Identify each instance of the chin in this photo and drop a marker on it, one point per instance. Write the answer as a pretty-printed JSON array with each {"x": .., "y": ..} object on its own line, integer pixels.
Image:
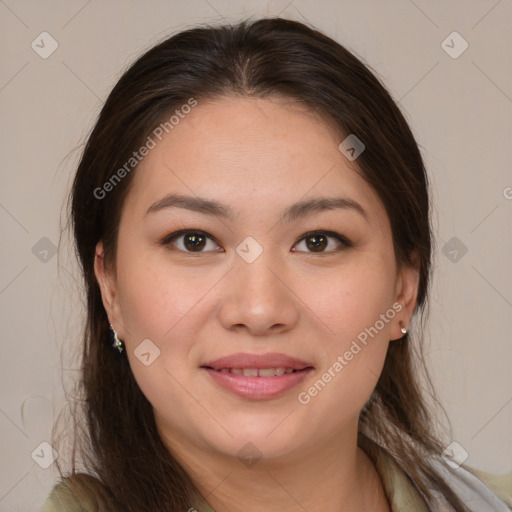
[{"x": 252, "y": 438}]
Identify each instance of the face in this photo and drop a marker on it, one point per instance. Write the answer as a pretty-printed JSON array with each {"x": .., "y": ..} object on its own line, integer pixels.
[{"x": 254, "y": 318}]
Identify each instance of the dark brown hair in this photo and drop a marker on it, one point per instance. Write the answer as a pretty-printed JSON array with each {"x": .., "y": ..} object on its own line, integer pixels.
[{"x": 121, "y": 445}]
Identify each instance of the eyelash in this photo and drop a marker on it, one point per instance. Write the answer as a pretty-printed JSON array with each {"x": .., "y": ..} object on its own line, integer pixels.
[{"x": 344, "y": 241}]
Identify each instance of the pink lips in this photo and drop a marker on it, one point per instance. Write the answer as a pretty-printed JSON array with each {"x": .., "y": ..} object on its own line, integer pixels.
[
  {"x": 257, "y": 387},
  {"x": 243, "y": 360}
]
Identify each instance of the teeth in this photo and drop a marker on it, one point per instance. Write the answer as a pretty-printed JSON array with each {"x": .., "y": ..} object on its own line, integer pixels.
[
  {"x": 258, "y": 372},
  {"x": 268, "y": 372}
]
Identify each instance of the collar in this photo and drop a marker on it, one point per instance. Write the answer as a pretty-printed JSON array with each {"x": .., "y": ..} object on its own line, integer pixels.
[{"x": 401, "y": 492}]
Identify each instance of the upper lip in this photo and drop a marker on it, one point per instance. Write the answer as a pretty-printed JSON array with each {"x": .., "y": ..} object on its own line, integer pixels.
[{"x": 244, "y": 360}]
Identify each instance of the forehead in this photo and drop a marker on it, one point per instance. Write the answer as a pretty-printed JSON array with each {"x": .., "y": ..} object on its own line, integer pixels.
[{"x": 247, "y": 151}]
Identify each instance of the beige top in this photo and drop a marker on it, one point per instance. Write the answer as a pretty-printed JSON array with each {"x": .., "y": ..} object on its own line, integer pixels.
[{"x": 494, "y": 496}]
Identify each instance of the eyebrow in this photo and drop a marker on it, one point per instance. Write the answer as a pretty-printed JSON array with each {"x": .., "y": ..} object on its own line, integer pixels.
[{"x": 295, "y": 211}]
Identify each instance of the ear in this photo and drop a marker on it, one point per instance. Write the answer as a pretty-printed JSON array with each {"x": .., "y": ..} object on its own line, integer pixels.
[
  {"x": 108, "y": 288},
  {"x": 406, "y": 293}
]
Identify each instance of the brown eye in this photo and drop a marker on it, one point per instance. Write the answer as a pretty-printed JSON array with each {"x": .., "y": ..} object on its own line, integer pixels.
[
  {"x": 190, "y": 241},
  {"x": 194, "y": 242},
  {"x": 318, "y": 241}
]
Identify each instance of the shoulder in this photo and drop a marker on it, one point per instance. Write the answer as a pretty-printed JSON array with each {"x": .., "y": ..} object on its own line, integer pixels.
[
  {"x": 479, "y": 488},
  {"x": 481, "y": 491},
  {"x": 78, "y": 493},
  {"x": 500, "y": 484}
]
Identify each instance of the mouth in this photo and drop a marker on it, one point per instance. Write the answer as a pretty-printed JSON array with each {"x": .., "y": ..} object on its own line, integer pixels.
[
  {"x": 258, "y": 372},
  {"x": 257, "y": 377}
]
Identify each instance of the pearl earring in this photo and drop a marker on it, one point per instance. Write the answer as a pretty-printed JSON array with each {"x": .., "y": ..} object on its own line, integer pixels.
[{"x": 402, "y": 327}]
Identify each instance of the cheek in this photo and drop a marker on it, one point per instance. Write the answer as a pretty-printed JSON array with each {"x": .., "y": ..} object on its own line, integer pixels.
[
  {"x": 352, "y": 297},
  {"x": 356, "y": 306},
  {"x": 164, "y": 304},
  {"x": 159, "y": 310},
  {"x": 155, "y": 297}
]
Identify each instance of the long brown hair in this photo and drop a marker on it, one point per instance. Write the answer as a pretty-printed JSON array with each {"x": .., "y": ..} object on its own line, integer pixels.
[{"x": 121, "y": 445}]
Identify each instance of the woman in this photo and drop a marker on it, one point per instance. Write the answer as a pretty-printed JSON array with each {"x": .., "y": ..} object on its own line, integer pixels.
[{"x": 251, "y": 214}]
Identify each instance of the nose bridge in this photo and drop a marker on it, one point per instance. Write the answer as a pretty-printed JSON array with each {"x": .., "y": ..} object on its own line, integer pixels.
[
  {"x": 258, "y": 271},
  {"x": 258, "y": 297}
]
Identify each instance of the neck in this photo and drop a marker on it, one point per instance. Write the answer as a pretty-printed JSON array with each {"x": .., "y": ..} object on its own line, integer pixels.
[{"x": 334, "y": 476}]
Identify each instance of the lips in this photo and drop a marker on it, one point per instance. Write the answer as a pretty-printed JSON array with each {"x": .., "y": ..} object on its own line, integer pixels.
[
  {"x": 257, "y": 376},
  {"x": 245, "y": 361}
]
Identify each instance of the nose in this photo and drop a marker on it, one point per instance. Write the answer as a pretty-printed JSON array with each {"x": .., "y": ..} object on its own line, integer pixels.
[{"x": 258, "y": 298}]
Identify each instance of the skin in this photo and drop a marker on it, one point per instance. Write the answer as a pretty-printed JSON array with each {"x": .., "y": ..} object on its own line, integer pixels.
[{"x": 258, "y": 156}]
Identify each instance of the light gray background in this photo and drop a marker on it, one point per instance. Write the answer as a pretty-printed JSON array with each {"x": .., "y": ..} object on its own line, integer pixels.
[{"x": 459, "y": 108}]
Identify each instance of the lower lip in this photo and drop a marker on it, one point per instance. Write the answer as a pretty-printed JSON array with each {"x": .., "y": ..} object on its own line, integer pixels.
[{"x": 258, "y": 388}]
